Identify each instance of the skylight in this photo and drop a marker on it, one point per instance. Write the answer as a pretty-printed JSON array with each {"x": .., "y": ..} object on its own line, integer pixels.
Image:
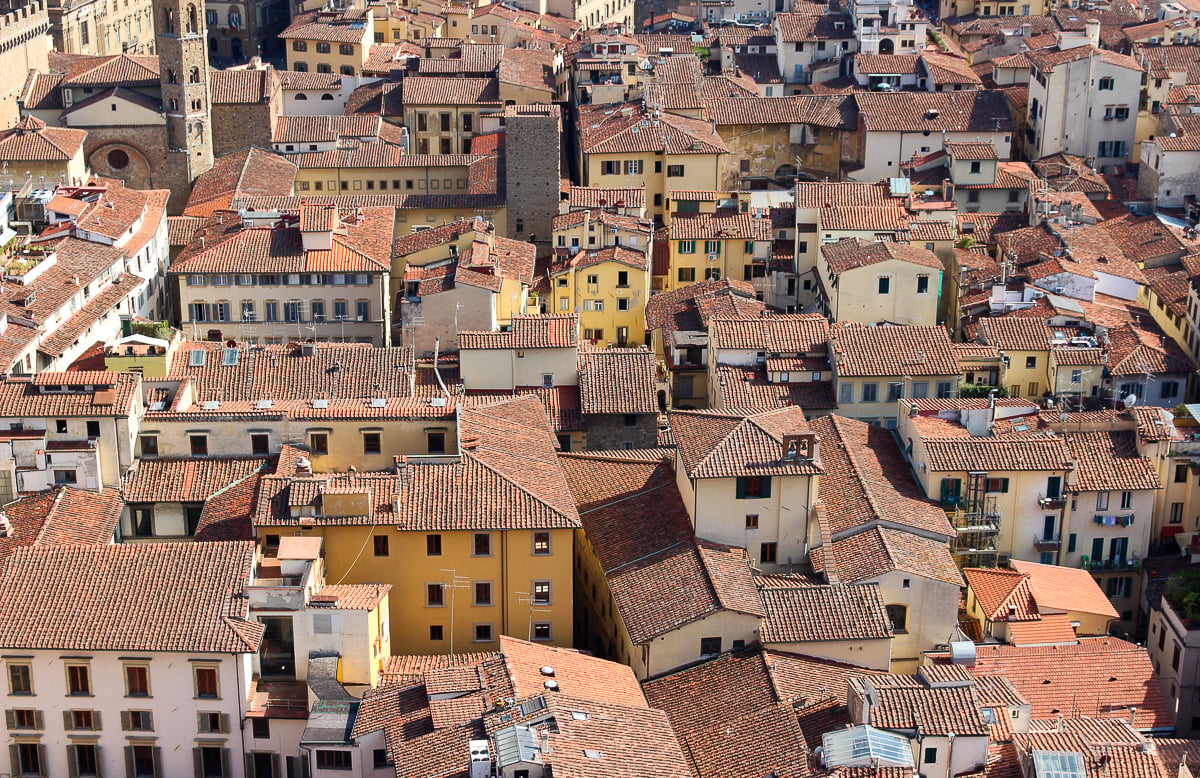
[
  {"x": 859, "y": 746},
  {"x": 196, "y": 357},
  {"x": 229, "y": 357},
  {"x": 1058, "y": 764}
]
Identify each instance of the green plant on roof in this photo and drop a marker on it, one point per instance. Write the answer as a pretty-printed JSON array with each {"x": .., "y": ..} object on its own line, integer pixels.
[{"x": 1183, "y": 592}]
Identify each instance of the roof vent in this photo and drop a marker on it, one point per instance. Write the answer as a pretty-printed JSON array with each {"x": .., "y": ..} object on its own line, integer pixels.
[
  {"x": 931, "y": 113},
  {"x": 548, "y": 671},
  {"x": 551, "y": 685}
]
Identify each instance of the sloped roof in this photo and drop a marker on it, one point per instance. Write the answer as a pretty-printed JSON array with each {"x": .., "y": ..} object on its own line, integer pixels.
[
  {"x": 184, "y": 597},
  {"x": 892, "y": 351},
  {"x": 1065, "y": 588},
  {"x": 715, "y": 444},
  {"x": 819, "y": 613},
  {"x": 32, "y": 141},
  {"x": 618, "y": 381}
]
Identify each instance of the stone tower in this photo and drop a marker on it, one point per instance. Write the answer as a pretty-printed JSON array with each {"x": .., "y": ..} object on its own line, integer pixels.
[
  {"x": 533, "y": 172},
  {"x": 182, "y": 41}
]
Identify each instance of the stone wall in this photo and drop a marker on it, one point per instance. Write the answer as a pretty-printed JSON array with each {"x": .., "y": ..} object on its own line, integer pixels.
[{"x": 606, "y": 432}]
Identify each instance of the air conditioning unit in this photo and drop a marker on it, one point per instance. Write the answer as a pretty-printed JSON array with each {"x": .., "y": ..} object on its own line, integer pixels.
[
  {"x": 713, "y": 257},
  {"x": 1156, "y": 40}
]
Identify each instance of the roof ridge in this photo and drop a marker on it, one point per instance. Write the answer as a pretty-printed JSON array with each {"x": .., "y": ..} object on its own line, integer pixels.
[
  {"x": 504, "y": 477},
  {"x": 49, "y": 515}
]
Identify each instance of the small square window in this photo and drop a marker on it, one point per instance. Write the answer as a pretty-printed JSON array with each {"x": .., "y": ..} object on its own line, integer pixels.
[
  {"x": 483, "y": 633},
  {"x": 433, "y": 545},
  {"x": 436, "y": 632},
  {"x": 381, "y": 545},
  {"x": 751, "y": 521},
  {"x": 541, "y": 543},
  {"x": 483, "y": 544}
]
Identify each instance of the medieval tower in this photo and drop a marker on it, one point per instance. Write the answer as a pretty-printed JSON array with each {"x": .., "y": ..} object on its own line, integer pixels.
[{"x": 181, "y": 42}]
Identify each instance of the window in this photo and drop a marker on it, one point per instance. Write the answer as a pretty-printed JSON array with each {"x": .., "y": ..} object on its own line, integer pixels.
[
  {"x": 687, "y": 275},
  {"x": 898, "y": 615},
  {"x": 751, "y": 521},
  {"x": 930, "y": 755},
  {"x": 633, "y": 167},
  {"x": 922, "y": 284},
  {"x": 65, "y": 477},
  {"x": 346, "y": 49},
  {"x": 79, "y": 680},
  {"x": 767, "y": 553},
  {"x": 436, "y": 632},
  {"x": 20, "y": 680},
  {"x": 29, "y": 758},
  {"x": 25, "y": 718},
  {"x": 322, "y": 48},
  {"x": 483, "y": 544},
  {"x": 84, "y": 720},
  {"x": 687, "y": 247},
  {"x": 260, "y": 444},
  {"x": 710, "y": 646},
  {"x": 944, "y": 389},
  {"x": 885, "y": 284},
  {"x": 1176, "y": 513},
  {"x": 334, "y": 760},
  {"x": 143, "y": 761},
  {"x": 997, "y": 485},
  {"x": 1126, "y": 500},
  {"x": 1170, "y": 390},
  {"x": 371, "y": 443},
  {"x": 1102, "y": 501},
  {"x": 541, "y": 592},
  {"x": 381, "y": 545},
  {"x": 83, "y": 759},
  {"x": 674, "y": 171},
  {"x": 206, "y": 683},
  {"x": 483, "y": 593},
  {"x": 60, "y": 426},
  {"x": 712, "y": 247},
  {"x": 542, "y": 630},
  {"x": 1030, "y": 363},
  {"x": 845, "y": 394},
  {"x": 483, "y": 633},
  {"x": 976, "y": 167},
  {"x": 870, "y": 393},
  {"x": 435, "y": 595},
  {"x": 149, "y": 445},
  {"x": 753, "y": 487},
  {"x": 1111, "y": 148},
  {"x": 137, "y": 681},
  {"x": 1076, "y": 376},
  {"x": 541, "y": 543},
  {"x": 895, "y": 391},
  {"x": 433, "y": 545},
  {"x": 318, "y": 443},
  {"x": 199, "y": 445},
  {"x": 610, "y": 168},
  {"x": 1106, "y": 84}
]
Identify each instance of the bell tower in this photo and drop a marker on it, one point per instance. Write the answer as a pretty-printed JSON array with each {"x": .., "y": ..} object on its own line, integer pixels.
[{"x": 181, "y": 41}]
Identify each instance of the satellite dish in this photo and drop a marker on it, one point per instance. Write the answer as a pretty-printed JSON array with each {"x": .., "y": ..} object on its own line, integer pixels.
[{"x": 1130, "y": 400}]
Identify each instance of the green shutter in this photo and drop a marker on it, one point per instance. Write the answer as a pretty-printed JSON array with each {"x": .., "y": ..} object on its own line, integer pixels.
[
  {"x": 766, "y": 486},
  {"x": 39, "y": 720},
  {"x": 68, "y": 720},
  {"x": 250, "y": 766},
  {"x": 10, "y": 718},
  {"x": 158, "y": 773},
  {"x": 1097, "y": 549},
  {"x": 96, "y": 721},
  {"x": 741, "y": 488},
  {"x": 1004, "y": 485},
  {"x": 1071, "y": 543},
  {"x": 43, "y": 759},
  {"x": 225, "y": 723},
  {"x": 72, "y": 762}
]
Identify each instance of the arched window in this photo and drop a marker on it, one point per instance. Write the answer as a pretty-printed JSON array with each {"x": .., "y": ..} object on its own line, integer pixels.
[
  {"x": 192, "y": 22},
  {"x": 174, "y": 104},
  {"x": 169, "y": 22},
  {"x": 327, "y": 96},
  {"x": 898, "y": 615},
  {"x": 171, "y": 77},
  {"x": 194, "y": 76},
  {"x": 301, "y": 96}
]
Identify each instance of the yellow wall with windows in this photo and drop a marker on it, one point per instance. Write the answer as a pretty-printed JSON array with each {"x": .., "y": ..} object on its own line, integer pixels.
[
  {"x": 430, "y": 125},
  {"x": 657, "y": 172},
  {"x": 384, "y": 180},
  {"x": 690, "y": 263},
  {"x": 511, "y": 570},
  {"x": 598, "y": 286},
  {"x": 310, "y": 56}
]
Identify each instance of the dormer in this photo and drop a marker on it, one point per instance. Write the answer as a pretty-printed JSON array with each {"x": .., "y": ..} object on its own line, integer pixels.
[{"x": 317, "y": 225}]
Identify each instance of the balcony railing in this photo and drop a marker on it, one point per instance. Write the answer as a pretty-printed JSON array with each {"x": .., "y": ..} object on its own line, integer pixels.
[
  {"x": 1113, "y": 563},
  {"x": 1053, "y": 502},
  {"x": 1042, "y": 543}
]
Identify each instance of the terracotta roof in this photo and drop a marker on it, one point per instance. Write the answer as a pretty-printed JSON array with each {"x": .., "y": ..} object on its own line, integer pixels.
[
  {"x": 610, "y": 129},
  {"x": 144, "y": 597},
  {"x": 32, "y": 141},
  {"x": 605, "y": 197},
  {"x": 1106, "y": 748},
  {"x": 318, "y": 26},
  {"x": 965, "y": 453},
  {"x": 361, "y": 597},
  {"x": 1065, "y": 588},
  {"x": 1103, "y": 678},
  {"x": 296, "y": 81},
  {"x": 867, "y": 482},
  {"x": 21, "y": 398},
  {"x": 802, "y": 27},
  {"x": 949, "y": 69},
  {"x": 887, "y": 64},
  {"x": 433, "y": 90},
  {"x": 532, "y": 331},
  {"x": 1108, "y": 461},
  {"x": 892, "y": 351},
  {"x": 820, "y": 110},
  {"x": 242, "y": 87},
  {"x": 185, "y": 480},
  {"x": 965, "y": 111},
  {"x": 715, "y": 444},
  {"x": 579, "y": 675},
  {"x": 250, "y": 172},
  {"x": 360, "y": 245},
  {"x": 852, "y": 253},
  {"x": 1018, "y": 334},
  {"x": 730, "y": 720},
  {"x": 881, "y": 550},
  {"x": 749, "y": 390},
  {"x": 63, "y": 516},
  {"x": 618, "y": 381},
  {"x": 691, "y": 580},
  {"x": 807, "y": 614},
  {"x": 1002, "y": 594},
  {"x": 1054, "y": 629},
  {"x": 689, "y": 308},
  {"x": 906, "y": 704},
  {"x": 120, "y": 70},
  {"x": 325, "y": 129},
  {"x": 802, "y": 333}
]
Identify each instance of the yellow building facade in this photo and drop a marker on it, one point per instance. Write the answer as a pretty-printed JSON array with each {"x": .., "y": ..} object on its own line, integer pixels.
[
  {"x": 726, "y": 244},
  {"x": 608, "y": 289}
]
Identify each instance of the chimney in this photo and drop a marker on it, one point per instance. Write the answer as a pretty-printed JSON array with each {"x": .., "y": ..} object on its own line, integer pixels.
[
  {"x": 1093, "y": 31},
  {"x": 1133, "y": 717},
  {"x": 303, "y": 466}
]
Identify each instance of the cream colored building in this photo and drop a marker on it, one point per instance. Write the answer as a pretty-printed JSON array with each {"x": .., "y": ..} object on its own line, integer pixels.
[
  {"x": 329, "y": 42},
  {"x": 874, "y": 367},
  {"x": 315, "y": 276},
  {"x": 99, "y": 27},
  {"x": 879, "y": 283}
]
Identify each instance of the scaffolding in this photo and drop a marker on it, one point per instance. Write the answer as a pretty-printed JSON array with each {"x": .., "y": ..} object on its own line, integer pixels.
[{"x": 976, "y": 522}]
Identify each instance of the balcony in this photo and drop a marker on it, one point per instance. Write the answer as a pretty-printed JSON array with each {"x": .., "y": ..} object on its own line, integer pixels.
[
  {"x": 1054, "y": 502},
  {"x": 1042, "y": 543},
  {"x": 1113, "y": 563},
  {"x": 1121, "y": 519}
]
